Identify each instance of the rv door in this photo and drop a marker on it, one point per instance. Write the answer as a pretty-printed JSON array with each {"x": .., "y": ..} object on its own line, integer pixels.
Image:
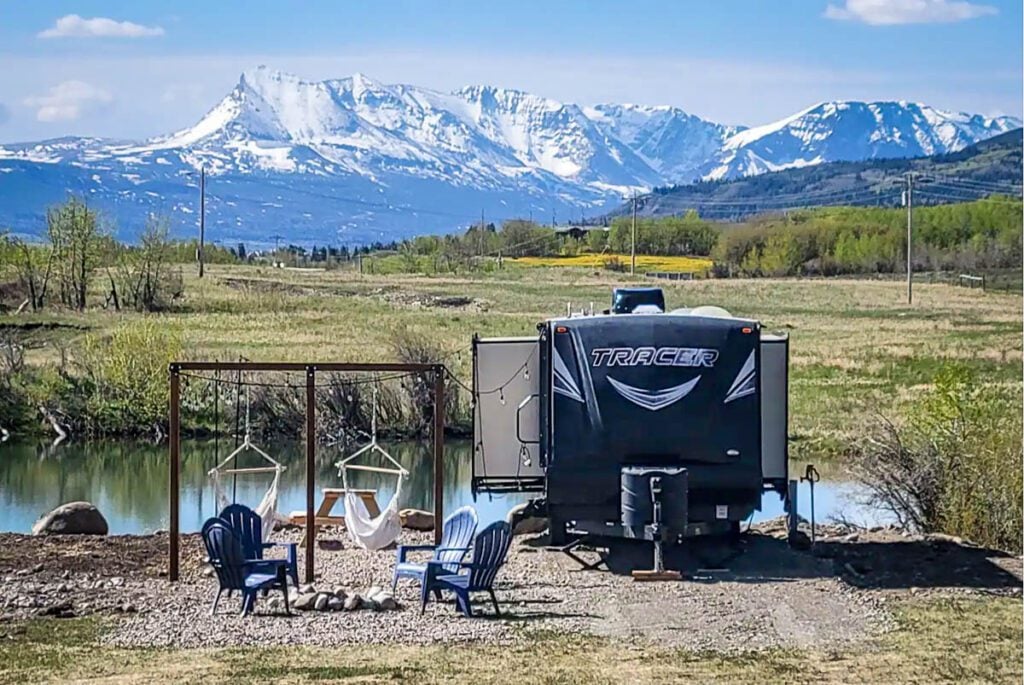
[{"x": 506, "y": 420}]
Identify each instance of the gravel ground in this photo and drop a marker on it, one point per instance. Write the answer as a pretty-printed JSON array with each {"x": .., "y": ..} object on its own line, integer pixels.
[{"x": 766, "y": 595}]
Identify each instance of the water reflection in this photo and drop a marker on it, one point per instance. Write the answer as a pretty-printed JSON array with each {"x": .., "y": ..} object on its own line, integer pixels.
[{"x": 128, "y": 482}]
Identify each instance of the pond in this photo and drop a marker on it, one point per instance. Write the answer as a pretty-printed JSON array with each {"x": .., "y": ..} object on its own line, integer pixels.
[{"x": 128, "y": 482}]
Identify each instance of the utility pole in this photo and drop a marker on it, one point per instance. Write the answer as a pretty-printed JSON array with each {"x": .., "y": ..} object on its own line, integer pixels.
[
  {"x": 632, "y": 242},
  {"x": 202, "y": 217},
  {"x": 909, "y": 202}
]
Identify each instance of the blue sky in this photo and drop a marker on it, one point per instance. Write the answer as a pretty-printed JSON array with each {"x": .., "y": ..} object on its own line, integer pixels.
[{"x": 131, "y": 69}]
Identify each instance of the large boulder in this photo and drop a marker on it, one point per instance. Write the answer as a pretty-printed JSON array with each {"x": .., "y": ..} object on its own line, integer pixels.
[
  {"x": 73, "y": 518},
  {"x": 416, "y": 519}
]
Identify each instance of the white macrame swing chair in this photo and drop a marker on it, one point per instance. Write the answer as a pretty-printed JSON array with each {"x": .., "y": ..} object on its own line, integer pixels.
[
  {"x": 267, "y": 508},
  {"x": 372, "y": 532}
]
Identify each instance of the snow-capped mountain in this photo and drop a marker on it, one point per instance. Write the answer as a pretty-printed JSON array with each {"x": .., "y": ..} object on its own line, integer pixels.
[
  {"x": 851, "y": 131},
  {"x": 354, "y": 160},
  {"x": 675, "y": 144}
]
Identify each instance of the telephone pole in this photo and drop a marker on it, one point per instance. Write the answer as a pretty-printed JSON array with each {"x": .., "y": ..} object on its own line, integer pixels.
[
  {"x": 632, "y": 245},
  {"x": 202, "y": 217},
  {"x": 909, "y": 202}
]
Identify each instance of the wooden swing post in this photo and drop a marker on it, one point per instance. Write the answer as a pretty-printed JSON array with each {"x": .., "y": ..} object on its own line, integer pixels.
[
  {"x": 310, "y": 468},
  {"x": 438, "y": 451},
  {"x": 174, "y": 439}
]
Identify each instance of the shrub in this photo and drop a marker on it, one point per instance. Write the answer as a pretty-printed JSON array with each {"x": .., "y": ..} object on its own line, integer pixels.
[
  {"x": 954, "y": 465},
  {"x": 126, "y": 374}
]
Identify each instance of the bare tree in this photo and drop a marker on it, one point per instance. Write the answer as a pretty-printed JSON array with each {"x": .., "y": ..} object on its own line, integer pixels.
[{"x": 74, "y": 242}]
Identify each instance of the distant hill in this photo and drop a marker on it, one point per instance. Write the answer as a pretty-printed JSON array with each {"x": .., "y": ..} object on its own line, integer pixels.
[{"x": 989, "y": 167}]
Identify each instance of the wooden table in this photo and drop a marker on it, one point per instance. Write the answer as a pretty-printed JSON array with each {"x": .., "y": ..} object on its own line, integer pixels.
[{"x": 323, "y": 515}]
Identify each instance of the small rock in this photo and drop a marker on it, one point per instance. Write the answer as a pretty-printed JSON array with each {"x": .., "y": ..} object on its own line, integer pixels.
[
  {"x": 59, "y": 610},
  {"x": 293, "y": 595},
  {"x": 373, "y": 592},
  {"x": 371, "y": 604},
  {"x": 127, "y": 608},
  {"x": 330, "y": 545},
  {"x": 275, "y": 603},
  {"x": 37, "y": 568},
  {"x": 208, "y": 571},
  {"x": 306, "y": 588},
  {"x": 305, "y": 601},
  {"x": 321, "y": 602},
  {"x": 73, "y": 518},
  {"x": 335, "y": 603},
  {"x": 353, "y": 603},
  {"x": 340, "y": 593},
  {"x": 386, "y": 602},
  {"x": 416, "y": 519}
]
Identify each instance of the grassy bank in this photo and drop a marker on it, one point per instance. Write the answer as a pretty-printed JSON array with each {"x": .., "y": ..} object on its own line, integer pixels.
[
  {"x": 964, "y": 640},
  {"x": 857, "y": 347}
]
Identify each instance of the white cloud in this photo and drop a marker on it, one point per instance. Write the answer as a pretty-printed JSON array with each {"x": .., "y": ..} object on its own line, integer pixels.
[
  {"x": 74, "y": 26},
  {"x": 891, "y": 12},
  {"x": 67, "y": 101}
]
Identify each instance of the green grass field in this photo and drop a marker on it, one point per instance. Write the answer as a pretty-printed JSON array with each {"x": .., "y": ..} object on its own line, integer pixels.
[{"x": 857, "y": 347}]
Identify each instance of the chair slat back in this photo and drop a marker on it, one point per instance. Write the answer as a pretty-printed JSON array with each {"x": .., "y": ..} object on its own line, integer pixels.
[
  {"x": 249, "y": 526},
  {"x": 224, "y": 548},
  {"x": 489, "y": 550},
  {"x": 457, "y": 531}
]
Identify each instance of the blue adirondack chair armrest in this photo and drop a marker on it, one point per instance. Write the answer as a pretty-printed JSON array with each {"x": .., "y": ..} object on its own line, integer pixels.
[
  {"x": 261, "y": 565},
  {"x": 403, "y": 550}
]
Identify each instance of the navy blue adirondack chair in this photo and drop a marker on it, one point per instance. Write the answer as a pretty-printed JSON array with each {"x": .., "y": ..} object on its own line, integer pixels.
[
  {"x": 249, "y": 526},
  {"x": 457, "y": 533},
  {"x": 235, "y": 572},
  {"x": 489, "y": 550}
]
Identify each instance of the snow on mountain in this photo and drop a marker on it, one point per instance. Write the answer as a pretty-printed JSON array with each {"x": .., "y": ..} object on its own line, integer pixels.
[
  {"x": 676, "y": 144},
  {"x": 849, "y": 131},
  {"x": 353, "y": 159}
]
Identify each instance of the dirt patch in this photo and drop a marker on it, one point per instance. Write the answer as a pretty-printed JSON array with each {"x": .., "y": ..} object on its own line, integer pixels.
[
  {"x": 413, "y": 299},
  {"x": 892, "y": 560},
  {"x": 259, "y": 285},
  {"x": 47, "y": 556},
  {"x": 755, "y": 594}
]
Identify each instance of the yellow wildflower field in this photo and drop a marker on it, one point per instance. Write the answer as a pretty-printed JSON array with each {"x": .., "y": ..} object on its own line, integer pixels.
[{"x": 643, "y": 262}]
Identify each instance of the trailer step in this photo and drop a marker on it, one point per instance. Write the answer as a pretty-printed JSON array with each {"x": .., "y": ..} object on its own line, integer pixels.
[{"x": 657, "y": 575}]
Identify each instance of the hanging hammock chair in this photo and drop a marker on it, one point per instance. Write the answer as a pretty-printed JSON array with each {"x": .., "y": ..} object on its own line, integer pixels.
[
  {"x": 372, "y": 532},
  {"x": 267, "y": 508}
]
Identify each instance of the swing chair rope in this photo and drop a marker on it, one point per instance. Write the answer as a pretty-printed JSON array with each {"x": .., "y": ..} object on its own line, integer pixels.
[
  {"x": 345, "y": 464},
  {"x": 247, "y": 444},
  {"x": 372, "y": 532}
]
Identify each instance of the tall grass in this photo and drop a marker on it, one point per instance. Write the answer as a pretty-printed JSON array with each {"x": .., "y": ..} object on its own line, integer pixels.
[{"x": 954, "y": 464}]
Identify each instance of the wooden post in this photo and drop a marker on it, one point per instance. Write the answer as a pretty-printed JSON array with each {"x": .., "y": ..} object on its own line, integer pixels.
[
  {"x": 174, "y": 441},
  {"x": 438, "y": 451},
  {"x": 310, "y": 468}
]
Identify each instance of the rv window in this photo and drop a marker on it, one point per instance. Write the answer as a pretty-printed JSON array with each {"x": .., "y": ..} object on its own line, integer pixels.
[{"x": 626, "y": 300}]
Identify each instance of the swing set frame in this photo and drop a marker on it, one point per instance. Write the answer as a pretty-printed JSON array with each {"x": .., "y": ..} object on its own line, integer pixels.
[{"x": 174, "y": 439}]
